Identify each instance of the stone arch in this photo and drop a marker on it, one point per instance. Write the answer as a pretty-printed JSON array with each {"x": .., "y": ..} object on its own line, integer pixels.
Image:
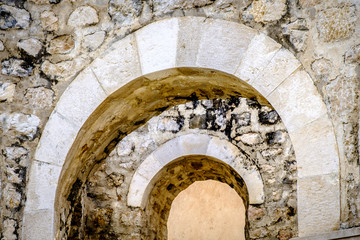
[
  {"x": 187, "y": 145},
  {"x": 166, "y": 63},
  {"x": 175, "y": 177}
]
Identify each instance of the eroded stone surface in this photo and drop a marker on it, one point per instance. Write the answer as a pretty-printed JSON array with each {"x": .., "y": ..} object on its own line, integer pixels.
[
  {"x": 267, "y": 11},
  {"x": 83, "y": 16},
  {"x": 16, "y": 67},
  {"x": 31, "y": 46},
  {"x": 7, "y": 91},
  {"x": 49, "y": 21},
  {"x": 12, "y": 17},
  {"x": 92, "y": 41},
  {"x": 336, "y": 23},
  {"x": 63, "y": 44}
]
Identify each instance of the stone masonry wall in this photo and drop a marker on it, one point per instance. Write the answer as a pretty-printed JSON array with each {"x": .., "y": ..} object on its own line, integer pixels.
[
  {"x": 102, "y": 211},
  {"x": 45, "y": 43}
]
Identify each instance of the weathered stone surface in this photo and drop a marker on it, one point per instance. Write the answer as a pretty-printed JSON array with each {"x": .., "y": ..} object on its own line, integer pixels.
[
  {"x": 7, "y": 91},
  {"x": 163, "y": 7},
  {"x": 63, "y": 44},
  {"x": 267, "y": 11},
  {"x": 39, "y": 97},
  {"x": 14, "y": 3},
  {"x": 40, "y": 2},
  {"x": 124, "y": 12},
  {"x": 12, "y": 197},
  {"x": 255, "y": 213},
  {"x": 31, "y": 46},
  {"x": 251, "y": 138},
  {"x": 322, "y": 67},
  {"x": 92, "y": 41},
  {"x": 336, "y": 23},
  {"x": 298, "y": 33},
  {"x": 353, "y": 54},
  {"x": 18, "y": 155},
  {"x": 26, "y": 125},
  {"x": 16, "y": 67},
  {"x": 1, "y": 46},
  {"x": 49, "y": 21},
  {"x": 11, "y": 17},
  {"x": 83, "y": 16},
  {"x": 9, "y": 229},
  {"x": 268, "y": 117},
  {"x": 62, "y": 70}
]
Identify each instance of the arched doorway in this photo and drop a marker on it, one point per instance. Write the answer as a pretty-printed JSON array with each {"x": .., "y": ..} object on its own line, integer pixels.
[
  {"x": 145, "y": 73},
  {"x": 207, "y": 210}
]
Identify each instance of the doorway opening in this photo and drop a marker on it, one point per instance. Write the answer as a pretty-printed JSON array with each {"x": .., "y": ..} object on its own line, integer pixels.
[{"x": 207, "y": 210}]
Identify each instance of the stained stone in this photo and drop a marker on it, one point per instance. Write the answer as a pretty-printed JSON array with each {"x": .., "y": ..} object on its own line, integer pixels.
[
  {"x": 7, "y": 91},
  {"x": 16, "y": 67},
  {"x": 11, "y": 17},
  {"x": 31, "y": 46}
]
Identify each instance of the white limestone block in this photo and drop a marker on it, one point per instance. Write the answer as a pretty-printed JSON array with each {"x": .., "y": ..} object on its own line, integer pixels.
[
  {"x": 193, "y": 144},
  {"x": 56, "y": 140},
  {"x": 297, "y": 101},
  {"x": 315, "y": 148},
  {"x": 36, "y": 225},
  {"x": 137, "y": 191},
  {"x": 157, "y": 45},
  {"x": 258, "y": 55},
  {"x": 149, "y": 167},
  {"x": 223, "y": 45},
  {"x": 280, "y": 67},
  {"x": 190, "y": 31},
  {"x": 222, "y": 150},
  {"x": 42, "y": 188},
  {"x": 318, "y": 204},
  {"x": 84, "y": 89},
  {"x": 168, "y": 151},
  {"x": 119, "y": 66}
]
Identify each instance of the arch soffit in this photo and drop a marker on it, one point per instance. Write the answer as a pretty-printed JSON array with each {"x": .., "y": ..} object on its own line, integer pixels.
[
  {"x": 201, "y": 43},
  {"x": 193, "y": 144}
]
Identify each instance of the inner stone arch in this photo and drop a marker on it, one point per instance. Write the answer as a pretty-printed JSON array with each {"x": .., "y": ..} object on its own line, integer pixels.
[{"x": 176, "y": 177}]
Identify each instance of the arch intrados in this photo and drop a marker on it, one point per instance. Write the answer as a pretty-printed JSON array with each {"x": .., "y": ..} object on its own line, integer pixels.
[
  {"x": 195, "y": 42},
  {"x": 131, "y": 106}
]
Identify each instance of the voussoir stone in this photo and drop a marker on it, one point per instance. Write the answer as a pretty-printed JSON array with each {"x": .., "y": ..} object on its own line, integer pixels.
[
  {"x": 12, "y": 17},
  {"x": 83, "y": 16}
]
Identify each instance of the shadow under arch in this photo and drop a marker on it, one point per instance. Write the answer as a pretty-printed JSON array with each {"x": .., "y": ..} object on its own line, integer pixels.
[
  {"x": 131, "y": 106},
  {"x": 176, "y": 177}
]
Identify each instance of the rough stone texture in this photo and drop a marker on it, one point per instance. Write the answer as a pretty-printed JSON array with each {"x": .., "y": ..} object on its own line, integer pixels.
[
  {"x": 7, "y": 91},
  {"x": 125, "y": 12},
  {"x": 83, "y": 16},
  {"x": 336, "y": 23},
  {"x": 267, "y": 11},
  {"x": 16, "y": 67},
  {"x": 110, "y": 182},
  {"x": 323, "y": 35},
  {"x": 39, "y": 97},
  {"x": 11, "y": 17},
  {"x": 49, "y": 21},
  {"x": 31, "y": 46},
  {"x": 63, "y": 44},
  {"x": 92, "y": 41},
  {"x": 25, "y": 125}
]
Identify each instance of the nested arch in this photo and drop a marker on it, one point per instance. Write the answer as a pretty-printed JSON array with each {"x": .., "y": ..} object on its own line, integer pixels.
[
  {"x": 210, "y": 147},
  {"x": 175, "y": 177},
  {"x": 164, "y": 64}
]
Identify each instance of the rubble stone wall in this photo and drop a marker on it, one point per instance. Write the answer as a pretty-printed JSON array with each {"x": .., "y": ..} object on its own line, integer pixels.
[{"x": 44, "y": 44}]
